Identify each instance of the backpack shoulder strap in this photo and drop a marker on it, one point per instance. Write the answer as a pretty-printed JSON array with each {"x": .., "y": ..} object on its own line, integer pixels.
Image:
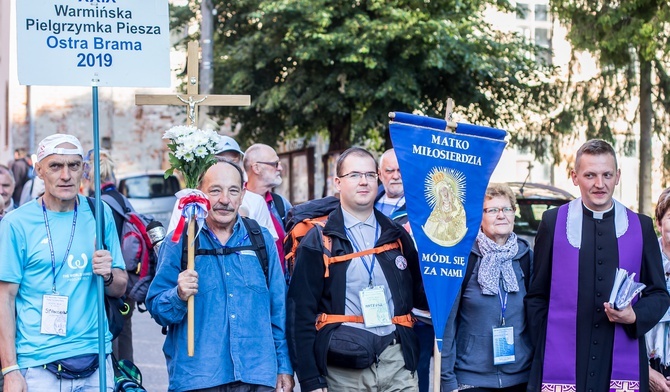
[
  {"x": 91, "y": 205},
  {"x": 184, "y": 248},
  {"x": 258, "y": 244},
  {"x": 469, "y": 268},
  {"x": 115, "y": 200},
  {"x": 527, "y": 268},
  {"x": 279, "y": 205}
]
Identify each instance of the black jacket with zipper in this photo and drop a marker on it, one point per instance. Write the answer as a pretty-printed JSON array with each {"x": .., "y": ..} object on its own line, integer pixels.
[{"x": 310, "y": 294}]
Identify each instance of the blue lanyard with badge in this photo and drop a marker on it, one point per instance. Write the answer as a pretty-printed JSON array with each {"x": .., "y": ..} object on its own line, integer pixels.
[
  {"x": 503, "y": 337},
  {"x": 373, "y": 298},
  {"x": 54, "y": 306}
]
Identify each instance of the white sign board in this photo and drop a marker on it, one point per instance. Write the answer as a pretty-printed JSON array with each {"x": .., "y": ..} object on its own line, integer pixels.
[{"x": 116, "y": 43}]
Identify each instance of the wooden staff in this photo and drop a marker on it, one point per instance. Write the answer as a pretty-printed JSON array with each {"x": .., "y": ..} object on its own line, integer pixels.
[
  {"x": 437, "y": 368},
  {"x": 191, "y": 300}
]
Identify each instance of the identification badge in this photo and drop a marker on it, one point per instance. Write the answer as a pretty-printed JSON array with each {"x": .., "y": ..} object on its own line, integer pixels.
[
  {"x": 54, "y": 315},
  {"x": 375, "y": 308},
  {"x": 503, "y": 345}
]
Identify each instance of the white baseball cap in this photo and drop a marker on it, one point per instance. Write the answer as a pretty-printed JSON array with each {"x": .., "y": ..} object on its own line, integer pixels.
[
  {"x": 49, "y": 146},
  {"x": 227, "y": 143}
]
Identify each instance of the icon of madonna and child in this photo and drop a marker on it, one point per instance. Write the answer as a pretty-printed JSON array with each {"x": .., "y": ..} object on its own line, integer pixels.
[{"x": 446, "y": 225}]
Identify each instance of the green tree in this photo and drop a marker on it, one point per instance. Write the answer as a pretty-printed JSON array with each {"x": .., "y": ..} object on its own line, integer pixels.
[
  {"x": 629, "y": 39},
  {"x": 341, "y": 66}
]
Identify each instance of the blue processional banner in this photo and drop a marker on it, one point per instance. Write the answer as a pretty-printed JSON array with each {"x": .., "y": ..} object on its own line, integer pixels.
[{"x": 445, "y": 174}]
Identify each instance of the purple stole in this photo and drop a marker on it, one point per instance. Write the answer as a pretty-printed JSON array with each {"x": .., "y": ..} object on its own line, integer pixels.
[{"x": 560, "y": 355}]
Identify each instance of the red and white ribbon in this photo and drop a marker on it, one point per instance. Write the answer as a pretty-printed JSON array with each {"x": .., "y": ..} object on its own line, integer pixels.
[{"x": 193, "y": 204}]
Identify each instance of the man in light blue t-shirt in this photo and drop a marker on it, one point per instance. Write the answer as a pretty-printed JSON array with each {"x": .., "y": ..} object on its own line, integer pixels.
[{"x": 48, "y": 301}]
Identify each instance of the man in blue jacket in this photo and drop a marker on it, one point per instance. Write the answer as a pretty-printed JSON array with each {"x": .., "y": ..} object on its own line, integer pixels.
[{"x": 240, "y": 344}]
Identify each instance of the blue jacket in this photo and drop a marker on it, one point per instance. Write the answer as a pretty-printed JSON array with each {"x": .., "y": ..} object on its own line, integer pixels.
[
  {"x": 239, "y": 322},
  {"x": 467, "y": 347}
]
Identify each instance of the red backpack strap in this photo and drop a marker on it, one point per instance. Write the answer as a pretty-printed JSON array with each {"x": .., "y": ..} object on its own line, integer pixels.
[{"x": 137, "y": 222}]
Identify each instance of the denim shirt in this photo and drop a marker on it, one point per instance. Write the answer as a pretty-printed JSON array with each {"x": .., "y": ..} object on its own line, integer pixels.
[{"x": 239, "y": 322}]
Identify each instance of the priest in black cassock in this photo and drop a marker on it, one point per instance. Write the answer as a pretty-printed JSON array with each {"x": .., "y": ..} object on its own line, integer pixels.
[{"x": 582, "y": 343}]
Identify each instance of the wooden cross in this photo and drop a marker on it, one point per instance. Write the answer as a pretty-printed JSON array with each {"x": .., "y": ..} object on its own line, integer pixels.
[{"x": 192, "y": 99}]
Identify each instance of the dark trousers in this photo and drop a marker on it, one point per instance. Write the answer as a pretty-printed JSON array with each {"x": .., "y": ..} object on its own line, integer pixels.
[
  {"x": 513, "y": 388},
  {"x": 426, "y": 337},
  {"x": 237, "y": 387},
  {"x": 122, "y": 346}
]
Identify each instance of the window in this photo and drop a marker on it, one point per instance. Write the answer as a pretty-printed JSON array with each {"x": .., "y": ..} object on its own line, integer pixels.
[
  {"x": 541, "y": 12},
  {"x": 522, "y": 11},
  {"x": 149, "y": 186},
  {"x": 542, "y": 37}
]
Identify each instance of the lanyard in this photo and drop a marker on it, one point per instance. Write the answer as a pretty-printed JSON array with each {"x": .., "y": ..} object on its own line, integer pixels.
[
  {"x": 395, "y": 207},
  {"x": 51, "y": 245},
  {"x": 215, "y": 239},
  {"x": 384, "y": 206},
  {"x": 241, "y": 241},
  {"x": 503, "y": 305},
  {"x": 357, "y": 248}
]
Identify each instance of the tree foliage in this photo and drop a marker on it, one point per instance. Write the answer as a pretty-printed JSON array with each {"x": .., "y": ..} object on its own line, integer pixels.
[
  {"x": 630, "y": 41},
  {"x": 341, "y": 65}
]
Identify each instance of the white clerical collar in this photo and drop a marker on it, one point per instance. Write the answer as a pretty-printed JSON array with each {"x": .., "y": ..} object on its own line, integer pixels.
[
  {"x": 600, "y": 214},
  {"x": 576, "y": 216}
]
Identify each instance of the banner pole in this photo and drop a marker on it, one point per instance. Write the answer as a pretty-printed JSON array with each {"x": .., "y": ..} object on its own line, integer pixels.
[
  {"x": 437, "y": 367},
  {"x": 102, "y": 326}
]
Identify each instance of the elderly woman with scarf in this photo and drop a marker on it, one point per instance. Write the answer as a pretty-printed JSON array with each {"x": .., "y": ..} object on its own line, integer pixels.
[
  {"x": 658, "y": 339},
  {"x": 486, "y": 346}
]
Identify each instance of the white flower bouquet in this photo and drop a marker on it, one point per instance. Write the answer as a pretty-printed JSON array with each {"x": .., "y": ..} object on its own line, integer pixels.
[{"x": 192, "y": 151}]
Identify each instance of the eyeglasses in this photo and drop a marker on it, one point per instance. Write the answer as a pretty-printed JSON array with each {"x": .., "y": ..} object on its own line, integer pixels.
[
  {"x": 493, "y": 211},
  {"x": 275, "y": 164},
  {"x": 370, "y": 176}
]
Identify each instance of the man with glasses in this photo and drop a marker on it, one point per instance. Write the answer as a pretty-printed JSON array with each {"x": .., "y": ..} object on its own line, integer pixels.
[
  {"x": 363, "y": 339},
  {"x": 48, "y": 285},
  {"x": 264, "y": 172}
]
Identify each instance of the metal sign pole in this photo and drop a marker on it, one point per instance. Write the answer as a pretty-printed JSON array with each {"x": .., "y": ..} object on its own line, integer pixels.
[{"x": 102, "y": 326}]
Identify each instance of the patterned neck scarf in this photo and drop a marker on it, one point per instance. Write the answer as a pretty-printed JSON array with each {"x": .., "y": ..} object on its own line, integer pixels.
[{"x": 497, "y": 261}]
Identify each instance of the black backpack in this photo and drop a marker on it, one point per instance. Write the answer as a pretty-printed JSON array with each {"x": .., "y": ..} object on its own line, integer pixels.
[
  {"x": 299, "y": 222},
  {"x": 116, "y": 308}
]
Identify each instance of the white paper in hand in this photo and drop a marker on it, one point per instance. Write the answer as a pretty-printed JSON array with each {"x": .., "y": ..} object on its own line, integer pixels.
[{"x": 625, "y": 288}]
